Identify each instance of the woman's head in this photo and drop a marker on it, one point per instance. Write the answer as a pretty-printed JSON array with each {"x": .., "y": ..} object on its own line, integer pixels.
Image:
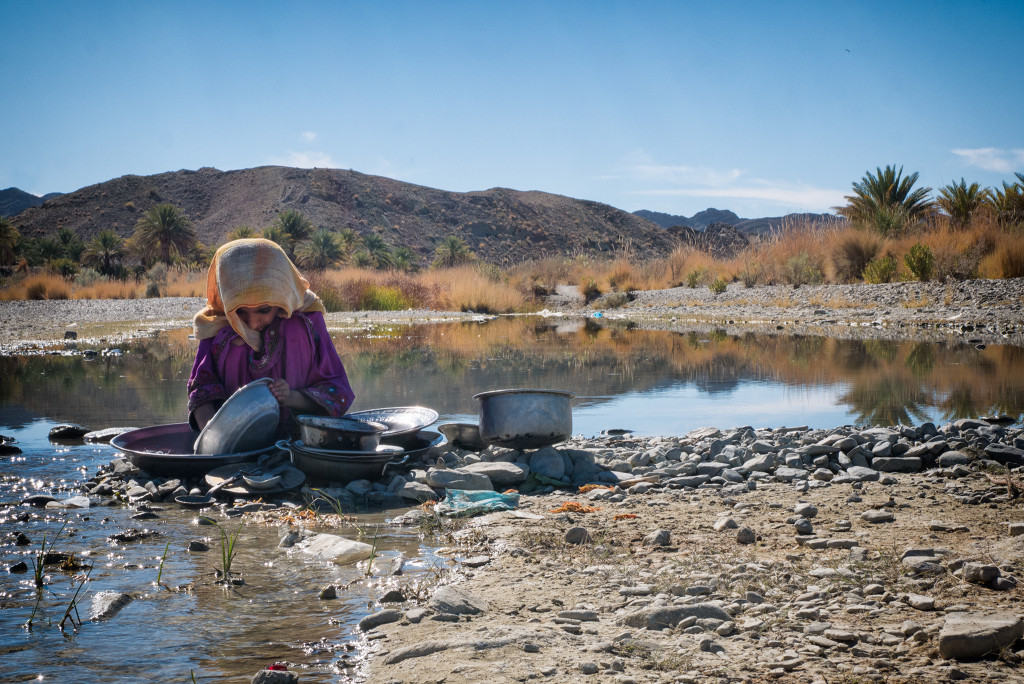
[{"x": 251, "y": 282}]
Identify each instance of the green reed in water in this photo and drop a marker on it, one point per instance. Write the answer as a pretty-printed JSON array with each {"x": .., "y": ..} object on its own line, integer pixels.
[{"x": 227, "y": 548}]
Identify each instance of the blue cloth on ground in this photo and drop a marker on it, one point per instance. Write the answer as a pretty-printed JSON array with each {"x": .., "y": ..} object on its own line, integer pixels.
[{"x": 461, "y": 502}]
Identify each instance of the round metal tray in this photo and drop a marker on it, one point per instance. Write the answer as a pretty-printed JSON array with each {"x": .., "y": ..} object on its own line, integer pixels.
[
  {"x": 401, "y": 420},
  {"x": 246, "y": 421}
]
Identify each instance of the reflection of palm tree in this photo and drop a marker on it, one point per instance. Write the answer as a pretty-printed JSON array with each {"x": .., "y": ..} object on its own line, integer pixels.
[
  {"x": 165, "y": 229},
  {"x": 960, "y": 403},
  {"x": 883, "y": 350},
  {"x": 921, "y": 359},
  {"x": 885, "y": 400}
]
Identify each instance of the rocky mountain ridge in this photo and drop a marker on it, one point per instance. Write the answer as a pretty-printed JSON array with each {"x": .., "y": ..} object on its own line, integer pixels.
[{"x": 500, "y": 225}]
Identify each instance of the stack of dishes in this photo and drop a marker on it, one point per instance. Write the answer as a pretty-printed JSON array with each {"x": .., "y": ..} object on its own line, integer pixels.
[{"x": 362, "y": 445}]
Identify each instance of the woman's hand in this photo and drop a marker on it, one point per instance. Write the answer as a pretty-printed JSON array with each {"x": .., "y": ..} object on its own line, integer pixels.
[
  {"x": 281, "y": 391},
  {"x": 293, "y": 399}
]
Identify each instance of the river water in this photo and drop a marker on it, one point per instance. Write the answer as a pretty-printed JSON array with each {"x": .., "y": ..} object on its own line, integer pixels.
[{"x": 649, "y": 382}]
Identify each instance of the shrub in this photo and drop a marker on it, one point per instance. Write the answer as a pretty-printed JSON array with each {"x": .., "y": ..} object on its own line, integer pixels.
[
  {"x": 152, "y": 291},
  {"x": 87, "y": 277},
  {"x": 752, "y": 274},
  {"x": 717, "y": 286},
  {"x": 920, "y": 261},
  {"x": 65, "y": 268},
  {"x": 616, "y": 300},
  {"x": 36, "y": 291},
  {"x": 695, "y": 277},
  {"x": 1011, "y": 260},
  {"x": 803, "y": 269},
  {"x": 590, "y": 290},
  {"x": 854, "y": 250},
  {"x": 384, "y": 298},
  {"x": 881, "y": 270}
]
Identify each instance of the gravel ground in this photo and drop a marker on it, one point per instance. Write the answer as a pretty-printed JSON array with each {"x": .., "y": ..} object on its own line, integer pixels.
[{"x": 981, "y": 311}]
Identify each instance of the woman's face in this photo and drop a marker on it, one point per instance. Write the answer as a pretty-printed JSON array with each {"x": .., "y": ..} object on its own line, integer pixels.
[{"x": 257, "y": 317}]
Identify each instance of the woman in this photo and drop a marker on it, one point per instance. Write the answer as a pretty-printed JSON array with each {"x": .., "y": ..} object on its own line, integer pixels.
[{"x": 261, "y": 320}]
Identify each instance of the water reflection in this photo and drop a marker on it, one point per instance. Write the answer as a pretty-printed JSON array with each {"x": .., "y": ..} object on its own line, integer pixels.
[{"x": 758, "y": 379}]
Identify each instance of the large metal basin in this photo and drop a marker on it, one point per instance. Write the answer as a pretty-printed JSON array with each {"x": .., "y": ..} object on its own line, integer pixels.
[
  {"x": 167, "y": 450},
  {"x": 525, "y": 418}
]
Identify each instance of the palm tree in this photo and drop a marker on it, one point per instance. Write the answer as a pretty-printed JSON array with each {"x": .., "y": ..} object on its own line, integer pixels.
[
  {"x": 9, "y": 236},
  {"x": 887, "y": 202},
  {"x": 242, "y": 232},
  {"x": 379, "y": 250},
  {"x": 961, "y": 201},
  {"x": 105, "y": 252},
  {"x": 294, "y": 224},
  {"x": 278, "y": 235},
  {"x": 451, "y": 252},
  {"x": 320, "y": 251},
  {"x": 165, "y": 229},
  {"x": 348, "y": 241},
  {"x": 72, "y": 246},
  {"x": 405, "y": 259},
  {"x": 1008, "y": 203}
]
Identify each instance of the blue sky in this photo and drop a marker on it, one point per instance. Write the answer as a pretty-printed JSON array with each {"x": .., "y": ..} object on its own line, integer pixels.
[{"x": 762, "y": 108}]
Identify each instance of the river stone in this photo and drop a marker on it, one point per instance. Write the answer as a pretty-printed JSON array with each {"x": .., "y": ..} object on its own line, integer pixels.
[
  {"x": 67, "y": 431},
  {"x": 334, "y": 548},
  {"x": 547, "y": 462},
  {"x": 458, "y": 478},
  {"x": 877, "y": 515},
  {"x": 863, "y": 474},
  {"x": 103, "y": 436},
  {"x": 952, "y": 458},
  {"x": 658, "y": 538},
  {"x": 896, "y": 464},
  {"x": 577, "y": 535},
  {"x": 381, "y": 617},
  {"x": 967, "y": 636},
  {"x": 500, "y": 474},
  {"x": 979, "y": 573},
  {"x": 455, "y": 601},
  {"x": 417, "y": 491},
  {"x": 275, "y": 677},
  {"x": 107, "y": 604},
  {"x": 661, "y": 617},
  {"x": 1005, "y": 454}
]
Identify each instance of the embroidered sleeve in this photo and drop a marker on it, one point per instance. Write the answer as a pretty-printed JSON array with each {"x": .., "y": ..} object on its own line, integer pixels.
[
  {"x": 204, "y": 385},
  {"x": 328, "y": 383}
]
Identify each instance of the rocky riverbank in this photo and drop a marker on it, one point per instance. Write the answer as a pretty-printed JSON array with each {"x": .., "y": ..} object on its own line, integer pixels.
[
  {"x": 978, "y": 311},
  {"x": 740, "y": 555}
]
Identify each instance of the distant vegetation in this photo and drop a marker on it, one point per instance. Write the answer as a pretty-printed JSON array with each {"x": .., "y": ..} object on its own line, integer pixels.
[{"x": 894, "y": 231}]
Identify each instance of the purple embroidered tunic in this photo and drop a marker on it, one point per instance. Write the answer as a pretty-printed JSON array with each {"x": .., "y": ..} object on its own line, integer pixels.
[{"x": 298, "y": 349}]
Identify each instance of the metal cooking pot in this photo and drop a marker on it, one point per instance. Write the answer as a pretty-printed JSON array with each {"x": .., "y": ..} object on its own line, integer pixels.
[
  {"x": 343, "y": 466},
  {"x": 525, "y": 418},
  {"x": 343, "y": 434}
]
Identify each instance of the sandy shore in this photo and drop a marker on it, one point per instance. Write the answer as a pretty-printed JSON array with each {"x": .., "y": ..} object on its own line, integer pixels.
[{"x": 982, "y": 311}]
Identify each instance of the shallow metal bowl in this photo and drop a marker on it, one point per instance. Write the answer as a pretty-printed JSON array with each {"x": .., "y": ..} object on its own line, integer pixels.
[
  {"x": 246, "y": 421},
  {"x": 463, "y": 435}
]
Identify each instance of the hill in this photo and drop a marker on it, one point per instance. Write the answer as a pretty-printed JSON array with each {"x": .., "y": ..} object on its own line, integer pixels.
[
  {"x": 500, "y": 225},
  {"x": 14, "y": 201},
  {"x": 748, "y": 227}
]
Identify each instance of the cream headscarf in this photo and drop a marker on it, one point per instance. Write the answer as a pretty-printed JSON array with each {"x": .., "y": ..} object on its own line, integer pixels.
[{"x": 251, "y": 272}]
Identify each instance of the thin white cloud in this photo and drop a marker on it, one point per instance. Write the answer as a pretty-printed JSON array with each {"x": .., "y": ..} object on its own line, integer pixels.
[
  {"x": 308, "y": 136},
  {"x": 808, "y": 198},
  {"x": 992, "y": 158},
  {"x": 650, "y": 179},
  {"x": 305, "y": 160}
]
